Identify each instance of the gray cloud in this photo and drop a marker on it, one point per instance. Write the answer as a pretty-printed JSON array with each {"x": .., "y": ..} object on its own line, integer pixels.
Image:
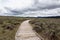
[{"x": 40, "y": 8}]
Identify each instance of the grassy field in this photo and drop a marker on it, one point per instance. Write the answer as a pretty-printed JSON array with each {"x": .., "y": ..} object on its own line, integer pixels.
[
  {"x": 48, "y": 28},
  {"x": 9, "y": 26}
]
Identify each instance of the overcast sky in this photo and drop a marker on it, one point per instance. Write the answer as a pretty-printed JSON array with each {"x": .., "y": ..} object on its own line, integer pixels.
[{"x": 32, "y": 8}]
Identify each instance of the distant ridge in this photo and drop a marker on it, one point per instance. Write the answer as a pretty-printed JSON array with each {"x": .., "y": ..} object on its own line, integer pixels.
[{"x": 50, "y": 17}]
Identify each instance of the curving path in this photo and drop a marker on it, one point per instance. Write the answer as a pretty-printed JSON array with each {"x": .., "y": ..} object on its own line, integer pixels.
[{"x": 25, "y": 32}]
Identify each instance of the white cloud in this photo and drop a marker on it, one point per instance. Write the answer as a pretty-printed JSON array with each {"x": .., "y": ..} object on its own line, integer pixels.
[
  {"x": 30, "y": 7},
  {"x": 18, "y": 4}
]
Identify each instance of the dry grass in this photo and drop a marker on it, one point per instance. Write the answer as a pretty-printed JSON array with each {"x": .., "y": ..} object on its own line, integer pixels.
[
  {"x": 48, "y": 28},
  {"x": 9, "y": 26}
]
